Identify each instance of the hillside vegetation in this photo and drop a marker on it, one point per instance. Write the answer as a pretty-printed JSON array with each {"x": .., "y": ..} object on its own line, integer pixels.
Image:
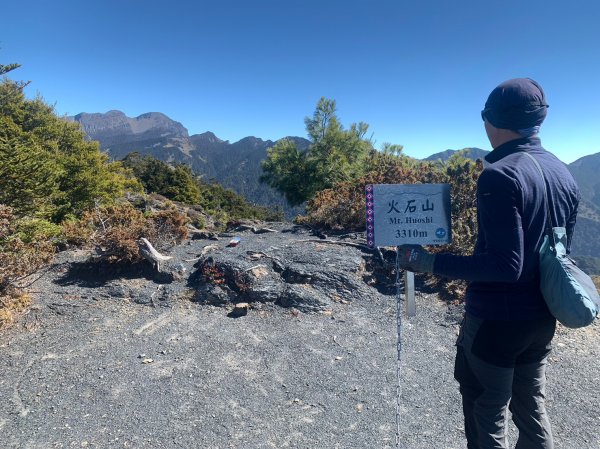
[{"x": 178, "y": 183}]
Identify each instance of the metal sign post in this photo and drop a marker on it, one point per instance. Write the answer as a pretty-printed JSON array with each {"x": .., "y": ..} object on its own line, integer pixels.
[
  {"x": 409, "y": 294},
  {"x": 402, "y": 214}
]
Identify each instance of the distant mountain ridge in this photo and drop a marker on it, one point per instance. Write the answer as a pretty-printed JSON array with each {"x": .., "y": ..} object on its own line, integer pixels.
[{"x": 235, "y": 165}]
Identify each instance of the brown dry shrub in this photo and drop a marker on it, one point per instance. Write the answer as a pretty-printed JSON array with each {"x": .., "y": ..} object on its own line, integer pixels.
[
  {"x": 77, "y": 233},
  {"x": 462, "y": 175},
  {"x": 12, "y": 306},
  {"x": 343, "y": 207},
  {"x": 117, "y": 229},
  {"x": 169, "y": 227}
]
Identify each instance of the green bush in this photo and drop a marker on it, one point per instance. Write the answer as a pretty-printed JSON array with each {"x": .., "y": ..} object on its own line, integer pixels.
[
  {"x": 31, "y": 230},
  {"x": 177, "y": 183},
  {"x": 335, "y": 155}
]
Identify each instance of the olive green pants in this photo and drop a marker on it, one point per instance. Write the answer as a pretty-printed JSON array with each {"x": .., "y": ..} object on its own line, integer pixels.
[{"x": 501, "y": 365}]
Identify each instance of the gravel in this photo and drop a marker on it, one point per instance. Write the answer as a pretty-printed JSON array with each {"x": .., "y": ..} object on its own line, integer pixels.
[{"x": 90, "y": 366}]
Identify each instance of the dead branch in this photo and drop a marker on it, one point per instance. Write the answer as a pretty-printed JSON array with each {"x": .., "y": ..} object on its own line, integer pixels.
[
  {"x": 149, "y": 253},
  {"x": 204, "y": 251}
]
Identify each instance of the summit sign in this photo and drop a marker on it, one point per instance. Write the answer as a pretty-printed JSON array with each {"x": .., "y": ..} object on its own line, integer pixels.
[{"x": 401, "y": 214}]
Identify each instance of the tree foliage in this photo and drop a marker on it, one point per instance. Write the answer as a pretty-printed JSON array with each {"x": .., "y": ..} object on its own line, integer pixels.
[
  {"x": 8, "y": 67},
  {"x": 335, "y": 155},
  {"x": 178, "y": 183},
  {"x": 47, "y": 167}
]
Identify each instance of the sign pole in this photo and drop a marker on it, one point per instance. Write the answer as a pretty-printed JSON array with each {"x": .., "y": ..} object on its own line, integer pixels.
[{"x": 409, "y": 294}]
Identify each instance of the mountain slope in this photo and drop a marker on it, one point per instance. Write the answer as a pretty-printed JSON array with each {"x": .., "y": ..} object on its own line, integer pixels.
[
  {"x": 471, "y": 153},
  {"x": 586, "y": 240},
  {"x": 585, "y": 171},
  {"x": 234, "y": 165}
]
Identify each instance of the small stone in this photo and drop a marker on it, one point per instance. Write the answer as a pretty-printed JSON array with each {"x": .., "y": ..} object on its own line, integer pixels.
[
  {"x": 239, "y": 310},
  {"x": 147, "y": 361},
  {"x": 360, "y": 408},
  {"x": 141, "y": 356}
]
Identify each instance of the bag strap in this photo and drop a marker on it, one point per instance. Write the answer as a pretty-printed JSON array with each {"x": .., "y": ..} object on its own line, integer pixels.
[{"x": 549, "y": 224}]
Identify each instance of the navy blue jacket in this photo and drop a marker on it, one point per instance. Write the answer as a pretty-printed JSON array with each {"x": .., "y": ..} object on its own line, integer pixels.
[{"x": 504, "y": 267}]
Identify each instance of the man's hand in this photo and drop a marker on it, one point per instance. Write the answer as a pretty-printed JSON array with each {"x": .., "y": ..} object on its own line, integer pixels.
[{"x": 415, "y": 258}]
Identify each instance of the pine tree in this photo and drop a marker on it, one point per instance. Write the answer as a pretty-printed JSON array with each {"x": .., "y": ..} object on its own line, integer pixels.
[{"x": 335, "y": 155}]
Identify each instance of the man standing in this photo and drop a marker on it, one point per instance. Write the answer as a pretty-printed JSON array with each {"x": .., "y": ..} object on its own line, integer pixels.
[{"x": 506, "y": 335}]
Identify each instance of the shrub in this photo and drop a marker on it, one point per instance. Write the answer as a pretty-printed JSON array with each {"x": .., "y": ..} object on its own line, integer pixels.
[
  {"x": 168, "y": 227},
  {"x": 48, "y": 169},
  {"x": 77, "y": 232},
  {"x": 36, "y": 229},
  {"x": 12, "y": 304},
  {"x": 117, "y": 229},
  {"x": 343, "y": 206},
  {"x": 18, "y": 258},
  {"x": 177, "y": 182}
]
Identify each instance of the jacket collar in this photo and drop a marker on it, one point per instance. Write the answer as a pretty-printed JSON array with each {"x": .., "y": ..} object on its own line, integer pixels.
[{"x": 513, "y": 146}]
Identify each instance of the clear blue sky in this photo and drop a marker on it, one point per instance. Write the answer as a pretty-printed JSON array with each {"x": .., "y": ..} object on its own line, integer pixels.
[{"x": 417, "y": 71}]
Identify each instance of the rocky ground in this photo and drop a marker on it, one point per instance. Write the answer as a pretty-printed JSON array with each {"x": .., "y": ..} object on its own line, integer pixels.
[{"x": 132, "y": 359}]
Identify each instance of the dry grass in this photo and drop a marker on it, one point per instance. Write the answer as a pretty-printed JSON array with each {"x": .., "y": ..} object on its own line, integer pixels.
[{"x": 12, "y": 306}]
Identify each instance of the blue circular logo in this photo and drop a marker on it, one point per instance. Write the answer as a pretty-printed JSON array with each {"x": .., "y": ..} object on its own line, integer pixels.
[{"x": 440, "y": 233}]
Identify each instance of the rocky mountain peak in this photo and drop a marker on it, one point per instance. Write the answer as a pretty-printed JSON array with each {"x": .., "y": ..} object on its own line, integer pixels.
[
  {"x": 114, "y": 124},
  {"x": 253, "y": 142},
  {"x": 207, "y": 137}
]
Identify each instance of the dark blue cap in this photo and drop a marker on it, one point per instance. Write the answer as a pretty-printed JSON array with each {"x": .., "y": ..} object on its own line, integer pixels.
[{"x": 515, "y": 104}]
